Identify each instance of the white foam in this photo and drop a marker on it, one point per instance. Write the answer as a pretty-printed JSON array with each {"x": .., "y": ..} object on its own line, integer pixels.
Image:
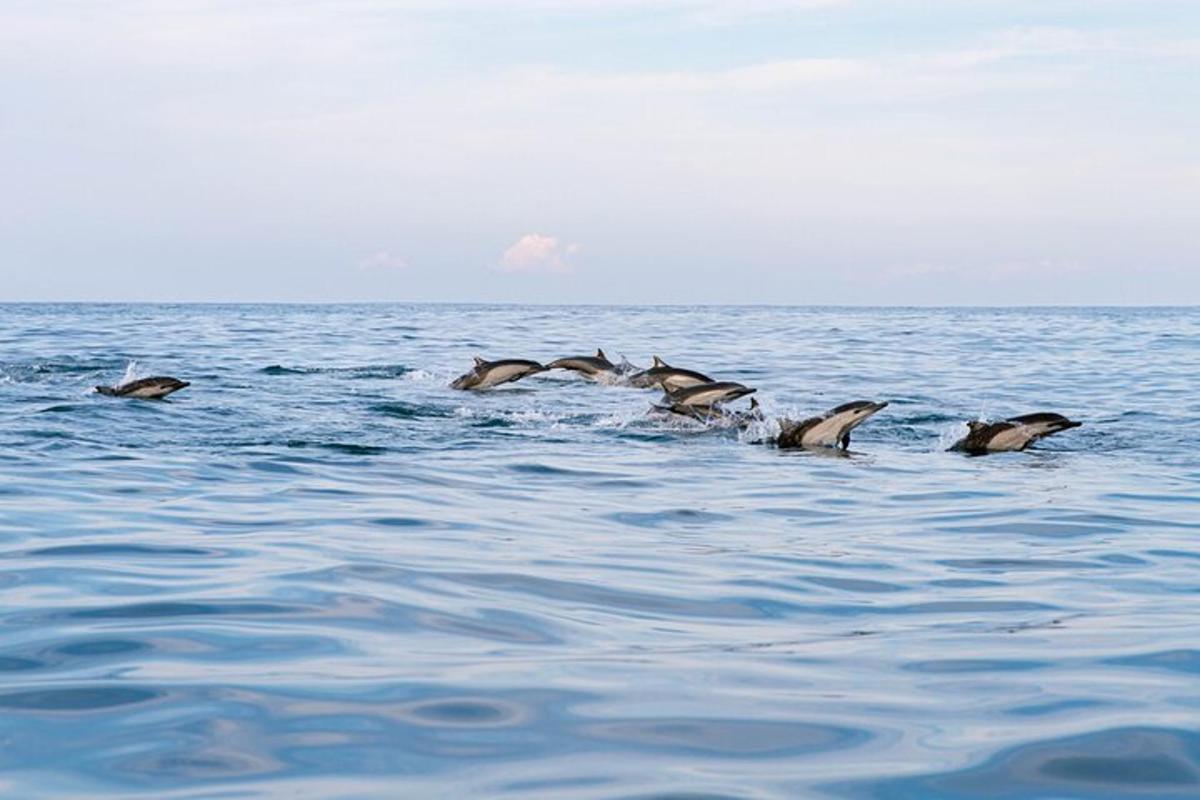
[
  {"x": 620, "y": 420},
  {"x": 534, "y": 415},
  {"x": 526, "y": 416},
  {"x": 610, "y": 378},
  {"x": 419, "y": 376},
  {"x": 951, "y": 433},
  {"x": 761, "y": 430}
]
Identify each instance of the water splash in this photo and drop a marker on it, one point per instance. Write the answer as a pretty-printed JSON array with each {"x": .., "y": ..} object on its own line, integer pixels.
[
  {"x": 760, "y": 431},
  {"x": 424, "y": 376},
  {"x": 133, "y": 372},
  {"x": 626, "y": 367},
  {"x": 951, "y": 433},
  {"x": 611, "y": 378}
]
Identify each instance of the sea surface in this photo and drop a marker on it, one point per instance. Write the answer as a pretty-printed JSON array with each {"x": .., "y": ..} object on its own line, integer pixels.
[{"x": 319, "y": 572}]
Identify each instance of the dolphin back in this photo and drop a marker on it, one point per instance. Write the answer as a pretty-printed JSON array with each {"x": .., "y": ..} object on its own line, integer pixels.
[
  {"x": 831, "y": 429},
  {"x": 154, "y": 388},
  {"x": 1012, "y": 434},
  {"x": 707, "y": 394},
  {"x": 487, "y": 374},
  {"x": 1045, "y": 419}
]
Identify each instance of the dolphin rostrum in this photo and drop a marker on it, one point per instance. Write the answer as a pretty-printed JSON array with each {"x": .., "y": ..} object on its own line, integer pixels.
[
  {"x": 1014, "y": 433},
  {"x": 588, "y": 366},
  {"x": 487, "y": 374},
  {"x": 154, "y": 388},
  {"x": 831, "y": 429},
  {"x": 708, "y": 394},
  {"x": 670, "y": 378}
]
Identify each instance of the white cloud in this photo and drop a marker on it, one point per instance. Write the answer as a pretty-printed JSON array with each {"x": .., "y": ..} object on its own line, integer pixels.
[
  {"x": 534, "y": 253},
  {"x": 1021, "y": 59},
  {"x": 964, "y": 152},
  {"x": 762, "y": 77},
  {"x": 382, "y": 261}
]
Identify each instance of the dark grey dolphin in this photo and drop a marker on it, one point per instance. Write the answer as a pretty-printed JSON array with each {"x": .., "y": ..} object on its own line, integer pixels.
[
  {"x": 708, "y": 394},
  {"x": 1014, "y": 433},
  {"x": 154, "y": 388},
  {"x": 831, "y": 429},
  {"x": 487, "y": 374},
  {"x": 588, "y": 366},
  {"x": 669, "y": 378}
]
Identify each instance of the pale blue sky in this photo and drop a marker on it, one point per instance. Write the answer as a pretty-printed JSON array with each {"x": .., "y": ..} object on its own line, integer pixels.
[{"x": 781, "y": 151}]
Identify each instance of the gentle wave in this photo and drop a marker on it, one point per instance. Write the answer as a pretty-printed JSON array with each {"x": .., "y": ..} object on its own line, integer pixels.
[{"x": 318, "y": 571}]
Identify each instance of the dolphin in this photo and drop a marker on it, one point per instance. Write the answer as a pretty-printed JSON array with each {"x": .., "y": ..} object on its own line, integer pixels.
[
  {"x": 487, "y": 374},
  {"x": 1014, "y": 433},
  {"x": 670, "y": 378},
  {"x": 146, "y": 388},
  {"x": 588, "y": 366},
  {"x": 708, "y": 394},
  {"x": 715, "y": 413},
  {"x": 831, "y": 429}
]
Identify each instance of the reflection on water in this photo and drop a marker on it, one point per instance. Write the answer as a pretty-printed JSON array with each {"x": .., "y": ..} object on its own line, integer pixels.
[{"x": 318, "y": 572}]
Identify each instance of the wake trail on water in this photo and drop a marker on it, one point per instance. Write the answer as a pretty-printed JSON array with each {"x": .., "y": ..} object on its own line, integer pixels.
[{"x": 369, "y": 371}]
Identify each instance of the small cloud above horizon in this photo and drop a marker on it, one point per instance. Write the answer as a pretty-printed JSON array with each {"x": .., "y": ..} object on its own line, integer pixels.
[{"x": 537, "y": 253}]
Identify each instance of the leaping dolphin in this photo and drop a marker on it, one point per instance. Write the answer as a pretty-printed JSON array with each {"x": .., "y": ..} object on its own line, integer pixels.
[
  {"x": 831, "y": 429},
  {"x": 669, "y": 378},
  {"x": 487, "y": 374},
  {"x": 709, "y": 394},
  {"x": 588, "y": 366},
  {"x": 1014, "y": 433},
  {"x": 154, "y": 388}
]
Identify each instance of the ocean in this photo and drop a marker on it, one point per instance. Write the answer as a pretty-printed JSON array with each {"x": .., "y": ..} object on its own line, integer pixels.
[{"x": 319, "y": 572}]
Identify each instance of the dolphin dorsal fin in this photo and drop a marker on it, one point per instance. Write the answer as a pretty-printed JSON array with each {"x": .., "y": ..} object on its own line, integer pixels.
[
  {"x": 658, "y": 362},
  {"x": 753, "y": 403},
  {"x": 600, "y": 354},
  {"x": 479, "y": 362}
]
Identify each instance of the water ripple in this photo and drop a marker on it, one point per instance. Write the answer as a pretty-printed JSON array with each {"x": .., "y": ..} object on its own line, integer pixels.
[{"x": 320, "y": 572}]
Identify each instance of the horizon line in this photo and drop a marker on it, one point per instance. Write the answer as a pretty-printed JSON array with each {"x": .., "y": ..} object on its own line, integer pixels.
[{"x": 592, "y": 304}]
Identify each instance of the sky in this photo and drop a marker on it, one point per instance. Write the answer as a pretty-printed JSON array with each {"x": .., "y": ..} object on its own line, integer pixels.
[{"x": 898, "y": 152}]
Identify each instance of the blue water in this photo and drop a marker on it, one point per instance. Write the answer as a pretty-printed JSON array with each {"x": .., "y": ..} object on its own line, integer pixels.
[{"x": 319, "y": 572}]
